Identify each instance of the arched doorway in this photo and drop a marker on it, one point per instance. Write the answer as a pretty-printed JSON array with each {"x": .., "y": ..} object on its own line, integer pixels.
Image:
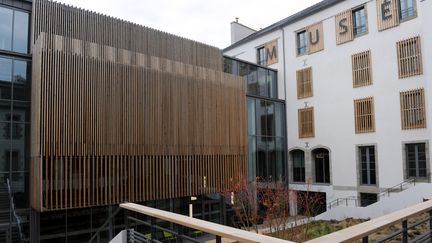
[{"x": 321, "y": 161}]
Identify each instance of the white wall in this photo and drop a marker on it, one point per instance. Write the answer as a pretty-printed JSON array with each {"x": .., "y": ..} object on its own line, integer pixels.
[{"x": 334, "y": 94}]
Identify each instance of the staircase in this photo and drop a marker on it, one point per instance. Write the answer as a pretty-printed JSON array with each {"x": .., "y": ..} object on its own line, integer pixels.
[
  {"x": 7, "y": 233},
  {"x": 392, "y": 199}
]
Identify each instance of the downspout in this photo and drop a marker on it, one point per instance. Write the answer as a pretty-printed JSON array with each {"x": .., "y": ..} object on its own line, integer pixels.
[{"x": 285, "y": 98}]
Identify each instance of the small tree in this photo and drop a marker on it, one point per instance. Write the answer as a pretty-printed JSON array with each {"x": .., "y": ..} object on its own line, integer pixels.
[
  {"x": 243, "y": 195},
  {"x": 309, "y": 202}
]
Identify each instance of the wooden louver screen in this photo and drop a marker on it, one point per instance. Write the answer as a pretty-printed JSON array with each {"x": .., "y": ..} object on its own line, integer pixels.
[
  {"x": 315, "y": 38},
  {"x": 364, "y": 115},
  {"x": 304, "y": 83},
  {"x": 122, "y": 112},
  {"x": 361, "y": 69},
  {"x": 387, "y": 14},
  {"x": 344, "y": 27},
  {"x": 306, "y": 122},
  {"x": 413, "y": 113},
  {"x": 409, "y": 57}
]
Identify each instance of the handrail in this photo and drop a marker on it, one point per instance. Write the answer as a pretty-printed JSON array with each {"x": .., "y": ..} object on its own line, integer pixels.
[
  {"x": 363, "y": 230},
  {"x": 104, "y": 225},
  {"x": 380, "y": 194},
  {"x": 12, "y": 202},
  {"x": 202, "y": 225}
]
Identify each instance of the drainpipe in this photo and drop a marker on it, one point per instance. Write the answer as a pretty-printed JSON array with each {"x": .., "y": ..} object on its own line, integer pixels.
[{"x": 286, "y": 113}]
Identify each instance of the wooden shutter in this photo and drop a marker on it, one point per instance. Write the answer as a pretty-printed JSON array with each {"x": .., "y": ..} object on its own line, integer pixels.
[
  {"x": 364, "y": 115},
  {"x": 409, "y": 57},
  {"x": 304, "y": 83},
  {"x": 271, "y": 52},
  {"x": 361, "y": 69},
  {"x": 413, "y": 113},
  {"x": 306, "y": 122},
  {"x": 312, "y": 33},
  {"x": 391, "y": 17},
  {"x": 344, "y": 34}
]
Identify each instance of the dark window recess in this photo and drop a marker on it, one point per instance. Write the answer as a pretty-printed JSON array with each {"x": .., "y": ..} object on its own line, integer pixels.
[
  {"x": 298, "y": 158},
  {"x": 301, "y": 43},
  {"x": 359, "y": 21},
  {"x": 322, "y": 165},
  {"x": 406, "y": 9},
  {"x": 416, "y": 160},
  {"x": 367, "y": 165},
  {"x": 261, "y": 58},
  {"x": 367, "y": 199}
]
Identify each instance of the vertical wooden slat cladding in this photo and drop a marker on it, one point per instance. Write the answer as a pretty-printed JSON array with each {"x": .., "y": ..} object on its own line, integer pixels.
[
  {"x": 315, "y": 37},
  {"x": 387, "y": 14},
  {"x": 361, "y": 69},
  {"x": 364, "y": 115},
  {"x": 344, "y": 27},
  {"x": 413, "y": 111},
  {"x": 122, "y": 112}
]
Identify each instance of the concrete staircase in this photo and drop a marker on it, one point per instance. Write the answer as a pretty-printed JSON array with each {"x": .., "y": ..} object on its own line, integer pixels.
[{"x": 387, "y": 204}]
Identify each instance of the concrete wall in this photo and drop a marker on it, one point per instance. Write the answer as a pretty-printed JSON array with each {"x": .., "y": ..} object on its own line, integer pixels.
[
  {"x": 239, "y": 31},
  {"x": 334, "y": 94}
]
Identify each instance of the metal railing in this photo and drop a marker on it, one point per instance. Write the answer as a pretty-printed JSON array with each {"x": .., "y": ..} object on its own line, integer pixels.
[
  {"x": 399, "y": 218},
  {"x": 157, "y": 234},
  {"x": 387, "y": 192},
  {"x": 12, "y": 202}
]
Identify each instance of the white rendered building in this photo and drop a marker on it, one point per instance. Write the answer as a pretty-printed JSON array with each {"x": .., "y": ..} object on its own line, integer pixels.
[{"x": 356, "y": 77}]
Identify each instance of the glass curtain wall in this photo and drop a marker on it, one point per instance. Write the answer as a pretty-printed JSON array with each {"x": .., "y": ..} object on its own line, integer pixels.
[
  {"x": 14, "y": 124},
  {"x": 266, "y": 120}
]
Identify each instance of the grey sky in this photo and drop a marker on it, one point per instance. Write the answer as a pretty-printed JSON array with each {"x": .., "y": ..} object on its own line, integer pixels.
[{"x": 200, "y": 20}]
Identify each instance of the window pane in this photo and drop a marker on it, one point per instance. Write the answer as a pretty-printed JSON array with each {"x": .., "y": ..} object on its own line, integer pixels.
[
  {"x": 280, "y": 159},
  {"x": 270, "y": 119},
  {"x": 301, "y": 43},
  {"x": 271, "y": 83},
  {"x": 359, "y": 17},
  {"x": 23, "y": 109},
  {"x": 21, "y": 84},
  {"x": 20, "y": 189},
  {"x": 5, "y": 70},
  {"x": 262, "y": 83},
  {"x": 251, "y": 116},
  {"x": 4, "y": 147},
  {"x": 261, "y": 113},
  {"x": 21, "y": 29},
  {"x": 261, "y": 158},
  {"x": 252, "y": 87},
  {"x": 6, "y": 16},
  {"x": 279, "y": 119},
  {"x": 252, "y": 158},
  {"x": 20, "y": 146}
]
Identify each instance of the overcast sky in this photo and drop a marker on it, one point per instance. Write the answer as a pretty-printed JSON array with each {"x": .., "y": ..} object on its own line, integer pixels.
[{"x": 200, "y": 20}]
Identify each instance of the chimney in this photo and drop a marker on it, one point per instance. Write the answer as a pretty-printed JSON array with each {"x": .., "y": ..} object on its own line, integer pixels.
[{"x": 239, "y": 31}]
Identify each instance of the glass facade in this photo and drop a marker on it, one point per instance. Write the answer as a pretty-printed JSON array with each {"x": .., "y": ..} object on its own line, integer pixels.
[
  {"x": 266, "y": 120},
  {"x": 14, "y": 125}
]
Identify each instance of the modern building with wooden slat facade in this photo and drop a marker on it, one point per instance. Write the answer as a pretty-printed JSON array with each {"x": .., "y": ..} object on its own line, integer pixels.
[
  {"x": 355, "y": 76},
  {"x": 97, "y": 111}
]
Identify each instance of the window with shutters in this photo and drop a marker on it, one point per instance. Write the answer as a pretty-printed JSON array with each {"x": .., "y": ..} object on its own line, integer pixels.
[
  {"x": 364, "y": 115},
  {"x": 304, "y": 83},
  {"x": 409, "y": 57},
  {"x": 306, "y": 122},
  {"x": 413, "y": 109},
  {"x": 361, "y": 69}
]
